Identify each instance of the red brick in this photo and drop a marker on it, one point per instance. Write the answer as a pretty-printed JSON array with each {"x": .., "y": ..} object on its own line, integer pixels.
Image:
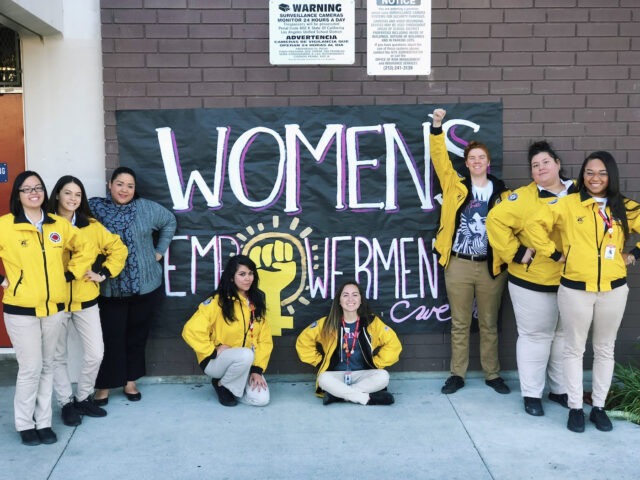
[
  {"x": 609, "y": 72},
  {"x": 180, "y": 102},
  {"x": 567, "y": 14},
  {"x": 525, "y": 15},
  {"x": 593, "y": 143},
  {"x": 606, "y": 101},
  {"x": 209, "y": 59},
  {"x": 122, "y": 31},
  {"x": 270, "y": 101},
  {"x": 524, "y": 44},
  {"x": 179, "y": 16},
  {"x": 137, "y": 103},
  {"x": 554, "y": 58},
  {"x": 224, "y": 102},
  {"x": 566, "y": 44},
  {"x": 211, "y": 89},
  {"x": 250, "y": 31},
  {"x": 517, "y": 116},
  {"x": 183, "y": 45},
  {"x": 223, "y": 45},
  {"x": 481, "y": 44},
  {"x": 301, "y": 74},
  {"x": 267, "y": 75},
  {"x": 608, "y": 129},
  {"x": 511, "y": 88},
  {"x": 209, "y": 31},
  {"x": 597, "y": 30},
  {"x": 511, "y": 59},
  {"x": 554, "y": 29},
  {"x": 552, "y": 115},
  {"x": 597, "y": 58},
  {"x": 480, "y": 73},
  {"x": 595, "y": 86},
  {"x": 142, "y": 75},
  {"x": 426, "y": 88},
  {"x": 167, "y": 60},
  {"x": 136, "y": 45},
  {"x": 165, "y": 31},
  {"x": 226, "y": 17},
  {"x": 134, "y": 16},
  {"x": 610, "y": 15},
  {"x": 382, "y": 88},
  {"x": 491, "y": 16},
  {"x": 523, "y": 130},
  {"x": 523, "y": 101},
  {"x": 250, "y": 60},
  {"x": 255, "y": 88},
  {"x": 469, "y": 30},
  {"x": 360, "y": 100},
  {"x": 522, "y": 73},
  {"x": 340, "y": 88},
  {"x": 564, "y": 73},
  {"x": 478, "y": 98},
  {"x": 224, "y": 74},
  {"x": 297, "y": 88},
  {"x": 565, "y": 101},
  {"x": 609, "y": 43},
  {"x": 468, "y": 88},
  {"x": 167, "y": 89},
  {"x": 511, "y": 30},
  {"x": 123, "y": 60},
  {"x": 186, "y": 75}
]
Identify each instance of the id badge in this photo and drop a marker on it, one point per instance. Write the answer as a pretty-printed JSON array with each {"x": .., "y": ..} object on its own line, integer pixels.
[
  {"x": 347, "y": 378},
  {"x": 610, "y": 252}
]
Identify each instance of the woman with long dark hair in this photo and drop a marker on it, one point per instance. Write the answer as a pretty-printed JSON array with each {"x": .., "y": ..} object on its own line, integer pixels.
[
  {"x": 350, "y": 347},
  {"x": 533, "y": 280},
  {"x": 128, "y": 302},
  {"x": 33, "y": 246},
  {"x": 69, "y": 200},
  {"x": 594, "y": 225},
  {"x": 231, "y": 336}
]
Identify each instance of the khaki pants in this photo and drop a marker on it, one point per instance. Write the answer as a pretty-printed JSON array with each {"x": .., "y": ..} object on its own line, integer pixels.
[
  {"x": 232, "y": 368},
  {"x": 466, "y": 279},
  {"x": 540, "y": 345},
  {"x": 34, "y": 340},
  {"x": 363, "y": 382},
  {"x": 579, "y": 310},
  {"x": 87, "y": 323}
]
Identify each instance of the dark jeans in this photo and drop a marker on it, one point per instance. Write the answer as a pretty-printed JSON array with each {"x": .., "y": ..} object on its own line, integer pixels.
[{"x": 125, "y": 327}]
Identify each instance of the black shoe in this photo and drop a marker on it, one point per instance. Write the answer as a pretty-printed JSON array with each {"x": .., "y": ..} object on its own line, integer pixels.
[
  {"x": 47, "y": 436},
  {"x": 599, "y": 417},
  {"x": 89, "y": 408},
  {"x": 380, "y": 398},
  {"x": 101, "y": 402},
  {"x": 498, "y": 385},
  {"x": 133, "y": 397},
  {"x": 70, "y": 416},
  {"x": 30, "y": 437},
  {"x": 561, "y": 398},
  {"x": 533, "y": 406},
  {"x": 452, "y": 385},
  {"x": 576, "y": 420},
  {"x": 328, "y": 399},
  {"x": 225, "y": 397}
]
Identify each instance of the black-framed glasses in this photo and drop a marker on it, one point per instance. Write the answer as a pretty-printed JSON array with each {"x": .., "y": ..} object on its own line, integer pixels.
[{"x": 36, "y": 189}]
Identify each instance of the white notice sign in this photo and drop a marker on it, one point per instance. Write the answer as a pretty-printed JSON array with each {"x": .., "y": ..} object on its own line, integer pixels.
[
  {"x": 398, "y": 37},
  {"x": 305, "y": 32}
]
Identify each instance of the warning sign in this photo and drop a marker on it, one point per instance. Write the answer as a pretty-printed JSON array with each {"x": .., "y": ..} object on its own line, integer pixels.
[
  {"x": 398, "y": 37},
  {"x": 317, "y": 33}
]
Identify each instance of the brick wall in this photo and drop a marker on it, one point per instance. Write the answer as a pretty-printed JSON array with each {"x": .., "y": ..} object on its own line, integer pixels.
[{"x": 565, "y": 70}]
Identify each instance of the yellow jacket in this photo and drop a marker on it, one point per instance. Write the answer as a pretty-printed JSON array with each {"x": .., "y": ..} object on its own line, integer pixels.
[
  {"x": 510, "y": 240},
  {"x": 35, "y": 266},
  {"x": 207, "y": 329},
  {"x": 585, "y": 241},
  {"x": 379, "y": 343},
  {"x": 456, "y": 193},
  {"x": 102, "y": 244}
]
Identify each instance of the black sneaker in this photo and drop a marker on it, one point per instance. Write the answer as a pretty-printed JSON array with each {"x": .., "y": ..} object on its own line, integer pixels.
[
  {"x": 533, "y": 406},
  {"x": 225, "y": 397},
  {"x": 576, "y": 420},
  {"x": 47, "y": 436},
  {"x": 561, "y": 398},
  {"x": 599, "y": 417},
  {"x": 498, "y": 385},
  {"x": 329, "y": 399},
  {"x": 380, "y": 398},
  {"x": 89, "y": 408},
  {"x": 70, "y": 416},
  {"x": 30, "y": 437},
  {"x": 452, "y": 385}
]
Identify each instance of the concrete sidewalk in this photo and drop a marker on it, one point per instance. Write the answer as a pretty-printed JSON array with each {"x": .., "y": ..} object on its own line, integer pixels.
[{"x": 180, "y": 431}]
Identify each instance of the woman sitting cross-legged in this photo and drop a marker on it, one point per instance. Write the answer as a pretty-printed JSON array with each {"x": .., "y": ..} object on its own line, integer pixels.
[{"x": 351, "y": 347}]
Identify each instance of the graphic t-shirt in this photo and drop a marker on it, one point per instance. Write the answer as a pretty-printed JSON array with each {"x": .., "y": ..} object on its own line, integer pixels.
[{"x": 471, "y": 236}]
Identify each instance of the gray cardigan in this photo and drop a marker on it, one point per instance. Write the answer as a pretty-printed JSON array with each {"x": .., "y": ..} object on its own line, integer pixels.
[{"x": 150, "y": 217}]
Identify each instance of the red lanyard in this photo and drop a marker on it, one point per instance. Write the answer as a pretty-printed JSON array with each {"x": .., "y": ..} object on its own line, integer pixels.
[
  {"x": 607, "y": 222},
  {"x": 349, "y": 351}
]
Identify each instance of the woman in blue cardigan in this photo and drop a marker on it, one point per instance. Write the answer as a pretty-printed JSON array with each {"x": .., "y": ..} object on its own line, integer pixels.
[{"x": 127, "y": 302}]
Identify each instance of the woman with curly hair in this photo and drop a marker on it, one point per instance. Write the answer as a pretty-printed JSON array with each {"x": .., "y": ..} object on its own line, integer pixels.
[{"x": 231, "y": 336}]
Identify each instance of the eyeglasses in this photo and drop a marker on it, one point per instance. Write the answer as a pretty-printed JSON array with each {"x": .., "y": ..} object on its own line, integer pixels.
[{"x": 36, "y": 189}]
